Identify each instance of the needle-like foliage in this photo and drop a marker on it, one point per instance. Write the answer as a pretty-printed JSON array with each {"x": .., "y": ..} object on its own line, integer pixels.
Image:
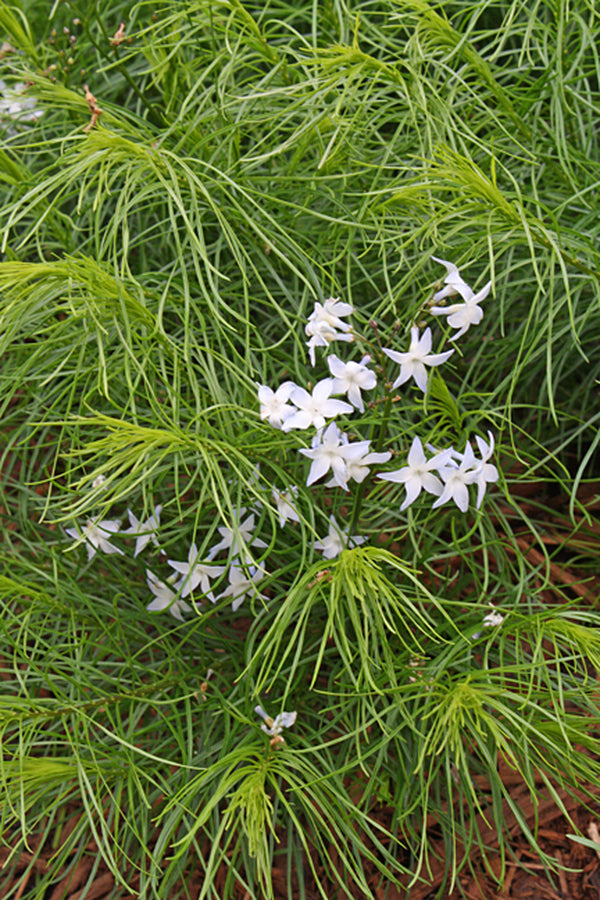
[{"x": 182, "y": 187}]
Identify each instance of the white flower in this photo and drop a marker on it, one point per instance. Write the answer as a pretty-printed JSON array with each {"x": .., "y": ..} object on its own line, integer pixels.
[
  {"x": 333, "y": 308},
  {"x": 329, "y": 451},
  {"x": 196, "y": 573},
  {"x": 357, "y": 459},
  {"x": 486, "y": 473},
  {"x": 165, "y": 597},
  {"x": 412, "y": 363},
  {"x": 331, "y": 313},
  {"x": 350, "y": 378},
  {"x": 324, "y": 325},
  {"x": 274, "y": 405},
  {"x": 238, "y": 537},
  {"x": 15, "y": 105},
  {"x": 456, "y": 478},
  {"x": 418, "y": 474},
  {"x": 286, "y": 507},
  {"x": 98, "y": 481},
  {"x": 453, "y": 281},
  {"x": 242, "y": 582},
  {"x": 144, "y": 531},
  {"x": 357, "y": 466},
  {"x": 337, "y": 540},
  {"x": 314, "y": 409},
  {"x": 463, "y": 315},
  {"x": 464, "y": 469},
  {"x": 493, "y": 618},
  {"x": 321, "y": 335},
  {"x": 96, "y": 534},
  {"x": 274, "y": 727}
]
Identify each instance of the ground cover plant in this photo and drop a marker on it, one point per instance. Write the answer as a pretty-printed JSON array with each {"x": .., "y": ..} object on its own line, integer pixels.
[{"x": 299, "y": 324}]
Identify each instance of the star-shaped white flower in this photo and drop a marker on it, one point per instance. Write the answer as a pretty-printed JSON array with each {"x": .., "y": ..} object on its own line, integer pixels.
[
  {"x": 455, "y": 284},
  {"x": 274, "y": 405},
  {"x": 357, "y": 463},
  {"x": 412, "y": 363},
  {"x": 456, "y": 479},
  {"x": 196, "y": 574},
  {"x": 165, "y": 597},
  {"x": 337, "y": 540},
  {"x": 330, "y": 451},
  {"x": 286, "y": 505},
  {"x": 313, "y": 409},
  {"x": 357, "y": 469},
  {"x": 274, "y": 727},
  {"x": 325, "y": 325},
  {"x": 241, "y": 583},
  {"x": 418, "y": 474},
  {"x": 321, "y": 335},
  {"x": 331, "y": 312},
  {"x": 463, "y": 315},
  {"x": 351, "y": 378},
  {"x": 238, "y": 537},
  {"x": 144, "y": 531},
  {"x": 96, "y": 534}
]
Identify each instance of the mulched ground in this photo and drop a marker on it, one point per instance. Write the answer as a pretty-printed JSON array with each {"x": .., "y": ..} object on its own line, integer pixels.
[
  {"x": 578, "y": 872},
  {"x": 578, "y": 877}
]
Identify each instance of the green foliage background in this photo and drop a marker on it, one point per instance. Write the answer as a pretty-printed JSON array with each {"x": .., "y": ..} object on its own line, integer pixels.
[{"x": 250, "y": 159}]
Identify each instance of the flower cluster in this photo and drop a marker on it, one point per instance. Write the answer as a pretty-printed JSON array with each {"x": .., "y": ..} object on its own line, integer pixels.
[
  {"x": 455, "y": 472},
  {"x": 292, "y": 407},
  {"x": 195, "y": 574},
  {"x": 447, "y": 474},
  {"x": 96, "y": 533}
]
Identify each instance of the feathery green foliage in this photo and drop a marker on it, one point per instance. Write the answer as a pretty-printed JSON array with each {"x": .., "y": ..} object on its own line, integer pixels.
[{"x": 195, "y": 182}]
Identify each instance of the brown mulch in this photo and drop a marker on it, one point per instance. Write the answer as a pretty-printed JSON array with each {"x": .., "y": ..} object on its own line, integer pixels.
[
  {"x": 524, "y": 877},
  {"x": 575, "y": 877}
]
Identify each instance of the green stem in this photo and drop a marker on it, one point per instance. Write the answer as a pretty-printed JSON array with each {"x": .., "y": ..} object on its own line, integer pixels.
[
  {"x": 384, "y": 422},
  {"x": 360, "y": 494}
]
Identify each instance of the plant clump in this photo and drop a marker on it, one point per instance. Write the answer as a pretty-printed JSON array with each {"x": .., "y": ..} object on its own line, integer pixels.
[{"x": 265, "y": 448}]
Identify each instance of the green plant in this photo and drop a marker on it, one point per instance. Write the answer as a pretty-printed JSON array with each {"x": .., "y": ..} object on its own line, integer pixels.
[{"x": 196, "y": 182}]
